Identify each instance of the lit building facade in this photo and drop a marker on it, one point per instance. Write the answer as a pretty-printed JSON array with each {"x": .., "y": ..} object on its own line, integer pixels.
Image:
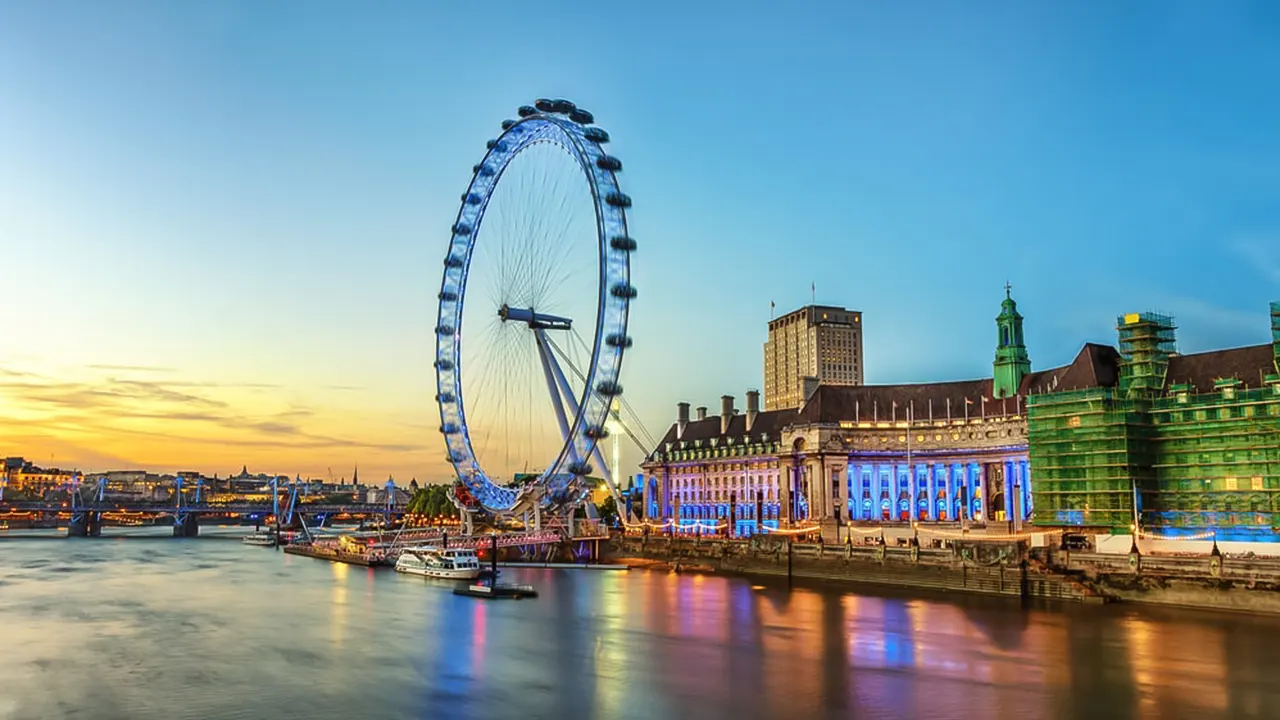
[
  {"x": 22, "y": 476},
  {"x": 817, "y": 343},
  {"x": 951, "y": 452}
]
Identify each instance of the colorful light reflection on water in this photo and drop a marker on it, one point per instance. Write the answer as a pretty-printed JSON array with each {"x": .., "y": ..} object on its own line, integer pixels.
[{"x": 160, "y": 628}]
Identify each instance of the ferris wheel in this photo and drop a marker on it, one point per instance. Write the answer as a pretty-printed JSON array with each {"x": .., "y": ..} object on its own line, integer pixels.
[{"x": 538, "y": 276}]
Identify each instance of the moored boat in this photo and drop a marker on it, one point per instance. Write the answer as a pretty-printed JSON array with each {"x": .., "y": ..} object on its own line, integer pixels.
[
  {"x": 260, "y": 539},
  {"x": 446, "y": 563}
]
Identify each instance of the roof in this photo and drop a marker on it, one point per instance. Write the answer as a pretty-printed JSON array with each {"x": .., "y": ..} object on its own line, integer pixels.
[
  {"x": 1247, "y": 364},
  {"x": 1094, "y": 366},
  {"x": 769, "y": 422}
]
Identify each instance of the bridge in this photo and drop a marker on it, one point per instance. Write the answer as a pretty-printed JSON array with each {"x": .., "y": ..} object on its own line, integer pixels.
[{"x": 89, "y": 504}]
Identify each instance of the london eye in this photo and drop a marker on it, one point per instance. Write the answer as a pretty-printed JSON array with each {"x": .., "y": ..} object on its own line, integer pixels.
[{"x": 537, "y": 279}]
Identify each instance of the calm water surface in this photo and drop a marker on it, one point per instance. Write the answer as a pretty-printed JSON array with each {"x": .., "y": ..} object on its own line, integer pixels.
[{"x": 161, "y": 628}]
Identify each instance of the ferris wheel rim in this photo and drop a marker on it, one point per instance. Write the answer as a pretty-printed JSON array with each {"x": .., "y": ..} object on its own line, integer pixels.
[{"x": 573, "y": 130}]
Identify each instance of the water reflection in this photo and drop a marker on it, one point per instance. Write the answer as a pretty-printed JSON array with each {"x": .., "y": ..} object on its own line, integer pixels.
[{"x": 206, "y": 629}]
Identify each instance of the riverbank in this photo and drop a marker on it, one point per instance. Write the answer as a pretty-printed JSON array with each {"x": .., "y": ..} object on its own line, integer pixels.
[
  {"x": 993, "y": 569},
  {"x": 1008, "y": 569},
  {"x": 1203, "y": 582}
]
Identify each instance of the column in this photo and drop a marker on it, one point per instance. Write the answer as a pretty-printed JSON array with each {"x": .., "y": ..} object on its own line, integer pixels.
[
  {"x": 820, "y": 489},
  {"x": 899, "y": 472},
  {"x": 853, "y": 488},
  {"x": 875, "y": 491},
  {"x": 1010, "y": 489},
  {"x": 1026, "y": 487},
  {"x": 977, "y": 479},
  {"x": 644, "y": 497},
  {"x": 958, "y": 507},
  {"x": 913, "y": 491},
  {"x": 785, "y": 478},
  {"x": 841, "y": 485},
  {"x": 931, "y": 488}
]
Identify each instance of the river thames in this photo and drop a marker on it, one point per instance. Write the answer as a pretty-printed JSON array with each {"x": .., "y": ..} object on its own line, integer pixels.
[{"x": 135, "y": 627}]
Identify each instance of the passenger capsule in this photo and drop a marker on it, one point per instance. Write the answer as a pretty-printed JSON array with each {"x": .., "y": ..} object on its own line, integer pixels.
[
  {"x": 444, "y": 397},
  {"x": 622, "y": 242},
  {"x": 618, "y": 199},
  {"x": 444, "y": 329},
  {"x": 582, "y": 117},
  {"x": 506, "y": 124},
  {"x": 618, "y": 341},
  {"x": 580, "y": 468},
  {"x": 473, "y": 199},
  {"x": 564, "y": 107},
  {"x": 526, "y": 110},
  {"x": 545, "y": 105},
  {"x": 609, "y": 388},
  {"x": 447, "y": 295},
  {"x": 461, "y": 229},
  {"x": 609, "y": 162},
  {"x": 595, "y": 134},
  {"x": 444, "y": 364},
  {"x": 453, "y": 261},
  {"x": 623, "y": 290}
]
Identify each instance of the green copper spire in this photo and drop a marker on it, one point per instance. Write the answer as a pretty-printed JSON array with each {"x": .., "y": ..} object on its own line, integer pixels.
[{"x": 1012, "y": 363}]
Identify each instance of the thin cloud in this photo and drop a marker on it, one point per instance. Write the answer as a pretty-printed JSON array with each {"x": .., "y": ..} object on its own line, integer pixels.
[
  {"x": 107, "y": 408},
  {"x": 1204, "y": 326},
  {"x": 133, "y": 368},
  {"x": 1262, "y": 254}
]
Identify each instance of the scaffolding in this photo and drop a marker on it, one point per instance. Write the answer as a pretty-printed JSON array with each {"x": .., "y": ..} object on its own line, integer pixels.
[
  {"x": 1089, "y": 454},
  {"x": 1143, "y": 455},
  {"x": 1217, "y": 456},
  {"x": 1146, "y": 344},
  {"x": 1275, "y": 336}
]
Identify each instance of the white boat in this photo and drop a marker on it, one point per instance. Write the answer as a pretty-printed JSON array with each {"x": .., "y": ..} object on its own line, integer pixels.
[
  {"x": 449, "y": 563},
  {"x": 261, "y": 539}
]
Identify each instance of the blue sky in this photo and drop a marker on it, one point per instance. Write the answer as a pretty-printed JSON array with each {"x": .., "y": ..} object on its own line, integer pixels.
[{"x": 253, "y": 198}]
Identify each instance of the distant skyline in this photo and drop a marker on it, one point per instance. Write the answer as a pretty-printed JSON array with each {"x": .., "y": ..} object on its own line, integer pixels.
[{"x": 222, "y": 223}]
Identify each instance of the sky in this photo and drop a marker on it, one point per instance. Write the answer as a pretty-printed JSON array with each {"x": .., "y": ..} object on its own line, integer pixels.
[{"x": 222, "y": 224}]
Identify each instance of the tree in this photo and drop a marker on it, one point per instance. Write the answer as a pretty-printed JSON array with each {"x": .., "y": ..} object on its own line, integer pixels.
[
  {"x": 433, "y": 500},
  {"x": 608, "y": 511}
]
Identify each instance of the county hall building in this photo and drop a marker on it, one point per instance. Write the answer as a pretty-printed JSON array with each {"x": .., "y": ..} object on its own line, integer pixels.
[{"x": 841, "y": 452}]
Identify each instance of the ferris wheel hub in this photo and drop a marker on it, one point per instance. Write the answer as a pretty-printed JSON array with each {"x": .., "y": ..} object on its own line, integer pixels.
[{"x": 535, "y": 320}]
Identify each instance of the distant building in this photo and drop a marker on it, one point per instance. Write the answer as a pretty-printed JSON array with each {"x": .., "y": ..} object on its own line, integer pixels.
[
  {"x": 817, "y": 343},
  {"x": 138, "y": 484},
  {"x": 22, "y": 476},
  {"x": 378, "y": 496}
]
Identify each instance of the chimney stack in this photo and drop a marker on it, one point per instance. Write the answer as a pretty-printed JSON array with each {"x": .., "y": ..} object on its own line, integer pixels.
[
  {"x": 726, "y": 412},
  {"x": 702, "y": 413},
  {"x": 682, "y": 418},
  {"x": 753, "y": 407}
]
